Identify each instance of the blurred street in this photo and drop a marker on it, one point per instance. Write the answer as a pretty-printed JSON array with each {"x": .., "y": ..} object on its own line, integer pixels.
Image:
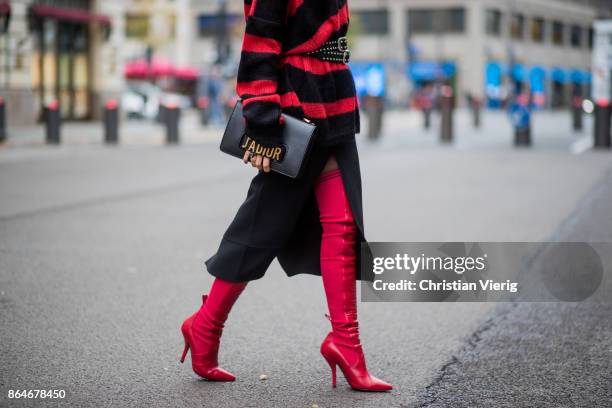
[
  {"x": 402, "y": 129},
  {"x": 103, "y": 253}
]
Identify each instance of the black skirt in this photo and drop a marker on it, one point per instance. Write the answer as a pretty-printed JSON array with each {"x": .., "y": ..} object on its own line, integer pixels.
[{"x": 280, "y": 218}]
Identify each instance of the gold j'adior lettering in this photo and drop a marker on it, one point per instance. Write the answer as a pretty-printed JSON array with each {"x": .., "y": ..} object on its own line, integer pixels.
[{"x": 273, "y": 153}]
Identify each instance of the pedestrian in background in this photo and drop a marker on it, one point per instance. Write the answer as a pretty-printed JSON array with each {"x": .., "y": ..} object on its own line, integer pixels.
[{"x": 215, "y": 88}]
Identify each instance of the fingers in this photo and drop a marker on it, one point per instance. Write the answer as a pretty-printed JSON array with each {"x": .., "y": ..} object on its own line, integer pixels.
[
  {"x": 266, "y": 165},
  {"x": 258, "y": 161}
]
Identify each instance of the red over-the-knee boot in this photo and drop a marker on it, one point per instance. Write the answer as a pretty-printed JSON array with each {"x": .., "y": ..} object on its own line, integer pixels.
[
  {"x": 341, "y": 347},
  {"x": 202, "y": 330}
]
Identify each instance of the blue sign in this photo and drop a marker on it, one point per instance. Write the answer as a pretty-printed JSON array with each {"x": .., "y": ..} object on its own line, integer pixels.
[
  {"x": 431, "y": 70},
  {"x": 537, "y": 79},
  {"x": 369, "y": 78},
  {"x": 518, "y": 72},
  {"x": 558, "y": 75}
]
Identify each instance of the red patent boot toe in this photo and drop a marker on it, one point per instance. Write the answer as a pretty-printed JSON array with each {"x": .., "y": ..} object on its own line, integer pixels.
[{"x": 202, "y": 331}]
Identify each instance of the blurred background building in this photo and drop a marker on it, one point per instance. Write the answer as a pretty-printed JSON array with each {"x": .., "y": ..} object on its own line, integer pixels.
[
  {"x": 487, "y": 48},
  {"x": 84, "y": 52}
]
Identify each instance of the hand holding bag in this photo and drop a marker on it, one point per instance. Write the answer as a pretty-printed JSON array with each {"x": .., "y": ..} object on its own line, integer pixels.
[{"x": 288, "y": 158}]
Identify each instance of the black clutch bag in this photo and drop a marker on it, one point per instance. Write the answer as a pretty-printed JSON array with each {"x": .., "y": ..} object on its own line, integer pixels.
[{"x": 288, "y": 158}]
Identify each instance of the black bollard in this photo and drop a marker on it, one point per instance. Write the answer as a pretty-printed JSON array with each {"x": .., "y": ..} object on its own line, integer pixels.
[
  {"x": 577, "y": 119},
  {"x": 374, "y": 108},
  {"x": 602, "y": 124},
  {"x": 427, "y": 118},
  {"x": 520, "y": 112},
  {"x": 172, "y": 116},
  {"x": 2, "y": 120},
  {"x": 522, "y": 136},
  {"x": 577, "y": 114},
  {"x": 52, "y": 123},
  {"x": 476, "y": 112},
  {"x": 111, "y": 122},
  {"x": 446, "y": 112}
]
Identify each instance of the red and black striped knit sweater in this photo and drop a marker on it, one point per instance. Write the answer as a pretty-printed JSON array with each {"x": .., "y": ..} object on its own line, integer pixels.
[{"x": 274, "y": 76}]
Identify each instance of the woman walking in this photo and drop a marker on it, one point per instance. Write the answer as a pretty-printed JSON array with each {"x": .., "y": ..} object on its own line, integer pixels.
[{"x": 294, "y": 61}]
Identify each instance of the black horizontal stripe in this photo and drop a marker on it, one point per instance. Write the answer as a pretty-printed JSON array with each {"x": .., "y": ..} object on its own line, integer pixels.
[
  {"x": 257, "y": 66},
  {"x": 271, "y": 10},
  {"x": 308, "y": 18},
  {"x": 261, "y": 113},
  {"x": 265, "y": 28},
  {"x": 295, "y": 111},
  {"x": 344, "y": 121},
  {"x": 338, "y": 125},
  {"x": 310, "y": 87}
]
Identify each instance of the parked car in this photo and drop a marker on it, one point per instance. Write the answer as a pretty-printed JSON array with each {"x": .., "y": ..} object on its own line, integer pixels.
[{"x": 141, "y": 100}]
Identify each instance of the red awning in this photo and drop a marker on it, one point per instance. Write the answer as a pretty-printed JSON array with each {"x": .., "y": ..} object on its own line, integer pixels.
[
  {"x": 159, "y": 67},
  {"x": 67, "y": 14},
  {"x": 140, "y": 69}
]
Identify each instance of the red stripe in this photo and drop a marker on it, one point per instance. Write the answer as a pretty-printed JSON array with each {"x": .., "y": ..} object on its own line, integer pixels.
[
  {"x": 336, "y": 108},
  {"x": 275, "y": 98},
  {"x": 256, "y": 87},
  {"x": 293, "y": 6},
  {"x": 313, "y": 65},
  {"x": 319, "y": 110},
  {"x": 252, "y": 9},
  {"x": 254, "y": 43},
  {"x": 290, "y": 99},
  {"x": 324, "y": 32}
]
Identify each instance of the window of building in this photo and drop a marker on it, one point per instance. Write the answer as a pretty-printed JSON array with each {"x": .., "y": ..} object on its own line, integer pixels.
[
  {"x": 537, "y": 29},
  {"x": 576, "y": 36},
  {"x": 136, "y": 25},
  {"x": 493, "y": 21},
  {"x": 209, "y": 25},
  {"x": 420, "y": 21},
  {"x": 455, "y": 20},
  {"x": 517, "y": 26},
  {"x": 557, "y": 32},
  {"x": 76, "y": 4},
  {"x": 374, "y": 22},
  {"x": 437, "y": 20}
]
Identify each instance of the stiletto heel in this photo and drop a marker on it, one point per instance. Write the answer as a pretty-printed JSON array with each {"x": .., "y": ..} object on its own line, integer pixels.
[
  {"x": 332, "y": 365},
  {"x": 352, "y": 364},
  {"x": 185, "y": 350}
]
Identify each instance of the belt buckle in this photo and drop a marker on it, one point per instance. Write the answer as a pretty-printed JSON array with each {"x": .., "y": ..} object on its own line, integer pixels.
[
  {"x": 346, "y": 56},
  {"x": 342, "y": 44}
]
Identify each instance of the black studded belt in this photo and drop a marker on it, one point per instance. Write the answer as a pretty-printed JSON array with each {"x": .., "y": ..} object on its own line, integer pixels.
[{"x": 332, "y": 51}]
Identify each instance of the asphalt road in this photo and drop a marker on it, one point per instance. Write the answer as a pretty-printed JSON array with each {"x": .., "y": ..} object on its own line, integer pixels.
[
  {"x": 102, "y": 254},
  {"x": 541, "y": 354}
]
